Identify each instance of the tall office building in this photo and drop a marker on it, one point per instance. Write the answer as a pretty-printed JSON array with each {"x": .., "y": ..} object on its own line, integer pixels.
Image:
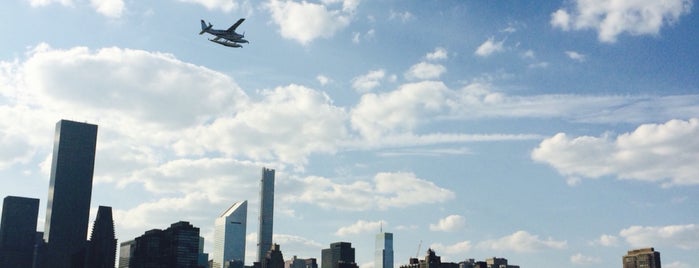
[
  {"x": 264, "y": 235},
  {"x": 339, "y": 255},
  {"x": 229, "y": 235},
  {"x": 18, "y": 231},
  {"x": 383, "y": 257},
  {"x": 70, "y": 190},
  {"x": 102, "y": 245},
  {"x": 174, "y": 247},
  {"x": 125, "y": 252},
  {"x": 642, "y": 258}
]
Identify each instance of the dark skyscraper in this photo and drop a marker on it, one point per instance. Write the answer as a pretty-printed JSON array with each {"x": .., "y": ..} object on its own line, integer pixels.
[
  {"x": 339, "y": 255},
  {"x": 264, "y": 238},
  {"x": 18, "y": 231},
  {"x": 70, "y": 190},
  {"x": 102, "y": 246},
  {"x": 174, "y": 247}
]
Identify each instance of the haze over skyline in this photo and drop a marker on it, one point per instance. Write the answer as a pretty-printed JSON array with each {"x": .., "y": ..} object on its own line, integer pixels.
[{"x": 550, "y": 133}]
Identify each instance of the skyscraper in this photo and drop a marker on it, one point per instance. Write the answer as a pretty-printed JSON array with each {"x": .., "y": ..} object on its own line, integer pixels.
[
  {"x": 264, "y": 238},
  {"x": 174, "y": 247},
  {"x": 383, "y": 257},
  {"x": 339, "y": 255},
  {"x": 18, "y": 231},
  {"x": 70, "y": 190},
  {"x": 642, "y": 258},
  {"x": 229, "y": 235},
  {"x": 102, "y": 246}
]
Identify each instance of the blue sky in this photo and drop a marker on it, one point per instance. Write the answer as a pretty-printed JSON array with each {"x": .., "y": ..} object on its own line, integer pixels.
[{"x": 551, "y": 133}]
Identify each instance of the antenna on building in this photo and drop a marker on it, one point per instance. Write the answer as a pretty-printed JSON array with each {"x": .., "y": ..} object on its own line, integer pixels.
[
  {"x": 419, "y": 246},
  {"x": 380, "y": 226}
]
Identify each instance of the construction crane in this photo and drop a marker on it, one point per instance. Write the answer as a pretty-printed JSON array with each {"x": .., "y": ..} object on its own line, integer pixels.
[{"x": 419, "y": 246}]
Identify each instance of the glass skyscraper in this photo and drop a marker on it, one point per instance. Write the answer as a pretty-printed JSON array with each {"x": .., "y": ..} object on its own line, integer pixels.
[
  {"x": 229, "y": 235},
  {"x": 70, "y": 190},
  {"x": 264, "y": 239},
  {"x": 18, "y": 231},
  {"x": 383, "y": 257}
]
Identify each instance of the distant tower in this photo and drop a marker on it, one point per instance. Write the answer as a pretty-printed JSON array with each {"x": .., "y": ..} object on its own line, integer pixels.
[
  {"x": 642, "y": 258},
  {"x": 264, "y": 238},
  {"x": 126, "y": 250},
  {"x": 229, "y": 235},
  {"x": 102, "y": 246},
  {"x": 70, "y": 191},
  {"x": 383, "y": 257},
  {"x": 339, "y": 255},
  {"x": 18, "y": 231}
]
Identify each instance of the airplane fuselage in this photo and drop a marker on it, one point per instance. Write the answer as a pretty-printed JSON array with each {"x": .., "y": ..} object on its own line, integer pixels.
[{"x": 229, "y": 36}]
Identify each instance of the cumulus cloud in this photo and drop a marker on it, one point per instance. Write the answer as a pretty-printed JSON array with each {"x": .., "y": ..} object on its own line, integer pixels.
[
  {"x": 224, "y": 5},
  {"x": 323, "y": 80},
  {"x": 38, "y": 3},
  {"x": 109, "y": 8},
  {"x": 425, "y": 71},
  {"x": 607, "y": 241},
  {"x": 664, "y": 153},
  {"x": 580, "y": 259},
  {"x": 360, "y": 227},
  {"x": 304, "y": 21},
  {"x": 369, "y": 81},
  {"x": 522, "y": 241},
  {"x": 680, "y": 236},
  {"x": 490, "y": 47},
  {"x": 449, "y": 224},
  {"x": 677, "y": 264},
  {"x": 402, "y": 16},
  {"x": 387, "y": 190},
  {"x": 575, "y": 56},
  {"x": 615, "y": 17},
  {"x": 459, "y": 248},
  {"x": 439, "y": 53}
]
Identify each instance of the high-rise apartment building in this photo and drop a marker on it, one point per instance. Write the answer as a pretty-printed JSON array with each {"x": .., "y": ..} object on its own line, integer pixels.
[
  {"x": 18, "y": 231},
  {"x": 642, "y": 258},
  {"x": 229, "y": 235},
  {"x": 174, "y": 247},
  {"x": 70, "y": 191},
  {"x": 101, "y": 251},
  {"x": 339, "y": 255},
  {"x": 383, "y": 257},
  {"x": 264, "y": 234}
]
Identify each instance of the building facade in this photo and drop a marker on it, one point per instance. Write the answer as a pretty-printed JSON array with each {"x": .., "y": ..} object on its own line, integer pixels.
[
  {"x": 229, "y": 235},
  {"x": 102, "y": 245},
  {"x": 383, "y": 257},
  {"x": 18, "y": 231},
  {"x": 642, "y": 258},
  {"x": 174, "y": 247},
  {"x": 70, "y": 191},
  {"x": 339, "y": 255},
  {"x": 125, "y": 253},
  {"x": 264, "y": 238},
  {"x": 295, "y": 262}
]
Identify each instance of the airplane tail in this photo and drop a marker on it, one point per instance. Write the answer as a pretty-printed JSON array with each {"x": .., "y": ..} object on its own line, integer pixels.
[{"x": 204, "y": 27}]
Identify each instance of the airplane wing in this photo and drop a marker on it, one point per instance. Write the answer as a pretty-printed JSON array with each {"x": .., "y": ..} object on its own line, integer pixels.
[{"x": 234, "y": 26}]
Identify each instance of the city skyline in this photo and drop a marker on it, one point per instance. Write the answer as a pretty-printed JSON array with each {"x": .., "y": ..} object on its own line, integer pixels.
[{"x": 553, "y": 133}]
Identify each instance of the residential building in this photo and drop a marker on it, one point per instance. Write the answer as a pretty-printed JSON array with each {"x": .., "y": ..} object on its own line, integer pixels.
[
  {"x": 174, "y": 247},
  {"x": 102, "y": 245},
  {"x": 264, "y": 238},
  {"x": 642, "y": 258},
  {"x": 339, "y": 255}
]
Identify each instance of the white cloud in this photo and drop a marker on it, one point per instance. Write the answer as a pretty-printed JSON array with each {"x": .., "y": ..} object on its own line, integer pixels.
[
  {"x": 439, "y": 53},
  {"x": 323, "y": 80},
  {"x": 304, "y": 21},
  {"x": 425, "y": 71},
  {"x": 399, "y": 110},
  {"x": 449, "y": 224},
  {"x": 607, "y": 241},
  {"x": 360, "y": 227},
  {"x": 459, "y": 248},
  {"x": 490, "y": 47},
  {"x": 387, "y": 190},
  {"x": 664, "y": 153},
  {"x": 224, "y": 5},
  {"x": 402, "y": 16},
  {"x": 611, "y": 18},
  {"x": 677, "y": 264},
  {"x": 680, "y": 236},
  {"x": 522, "y": 241},
  {"x": 109, "y": 8},
  {"x": 575, "y": 56},
  {"x": 580, "y": 259},
  {"x": 39, "y": 3},
  {"x": 369, "y": 81}
]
